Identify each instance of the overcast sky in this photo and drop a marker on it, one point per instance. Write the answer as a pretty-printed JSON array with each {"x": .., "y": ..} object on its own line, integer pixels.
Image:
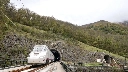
[{"x": 78, "y": 12}]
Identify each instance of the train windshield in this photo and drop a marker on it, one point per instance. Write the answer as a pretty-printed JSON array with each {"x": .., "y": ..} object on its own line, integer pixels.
[{"x": 39, "y": 49}]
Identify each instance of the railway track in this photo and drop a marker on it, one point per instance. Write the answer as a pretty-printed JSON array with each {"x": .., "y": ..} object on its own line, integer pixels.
[{"x": 34, "y": 68}]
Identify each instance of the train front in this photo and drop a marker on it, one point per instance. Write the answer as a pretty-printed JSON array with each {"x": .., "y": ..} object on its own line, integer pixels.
[{"x": 37, "y": 56}]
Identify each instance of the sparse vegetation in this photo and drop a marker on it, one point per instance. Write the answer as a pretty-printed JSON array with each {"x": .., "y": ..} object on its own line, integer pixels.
[{"x": 93, "y": 64}]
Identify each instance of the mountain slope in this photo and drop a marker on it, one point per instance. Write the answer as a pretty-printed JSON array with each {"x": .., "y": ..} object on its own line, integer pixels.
[
  {"x": 108, "y": 28},
  {"x": 17, "y": 41},
  {"x": 101, "y": 34},
  {"x": 116, "y": 35}
]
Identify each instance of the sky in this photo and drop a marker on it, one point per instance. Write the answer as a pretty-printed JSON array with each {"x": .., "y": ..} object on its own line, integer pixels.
[{"x": 78, "y": 12}]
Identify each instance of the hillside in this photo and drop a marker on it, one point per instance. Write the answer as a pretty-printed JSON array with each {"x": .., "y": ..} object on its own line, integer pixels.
[
  {"x": 17, "y": 41},
  {"x": 102, "y": 34},
  {"x": 21, "y": 29},
  {"x": 115, "y": 35},
  {"x": 107, "y": 27}
]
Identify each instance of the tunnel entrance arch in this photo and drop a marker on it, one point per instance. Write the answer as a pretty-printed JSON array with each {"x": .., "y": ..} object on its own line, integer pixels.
[
  {"x": 107, "y": 58},
  {"x": 56, "y": 55}
]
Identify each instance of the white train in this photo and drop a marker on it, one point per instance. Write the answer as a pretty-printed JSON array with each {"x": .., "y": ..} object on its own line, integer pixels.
[{"x": 40, "y": 55}]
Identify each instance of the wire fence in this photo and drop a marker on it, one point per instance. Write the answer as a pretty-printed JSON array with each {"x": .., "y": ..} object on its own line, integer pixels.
[
  {"x": 79, "y": 68},
  {"x": 98, "y": 69}
]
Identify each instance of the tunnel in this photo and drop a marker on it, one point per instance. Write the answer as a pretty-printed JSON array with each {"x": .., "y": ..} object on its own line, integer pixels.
[
  {"x": 107, "y": 58},
  {"x": 56, "y": 55}
]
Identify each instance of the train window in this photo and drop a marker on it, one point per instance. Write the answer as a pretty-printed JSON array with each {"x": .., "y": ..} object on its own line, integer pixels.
[
  {"x": 40, "y": 48},
  {"x": 37, "y": 49}
]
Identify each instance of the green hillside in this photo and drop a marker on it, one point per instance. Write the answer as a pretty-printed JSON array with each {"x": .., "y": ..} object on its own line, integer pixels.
[
  {"x": 102, "y": 34},
  {"x": 108, "y": 28},
  {"x": 32, "y": 35},
  {"x": 110, "y": 36}
]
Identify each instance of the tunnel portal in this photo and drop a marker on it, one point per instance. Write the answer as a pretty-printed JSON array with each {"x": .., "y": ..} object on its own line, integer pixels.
[
  {"x": 107, "y": 58},
  {"x": 56, "y": 55}
]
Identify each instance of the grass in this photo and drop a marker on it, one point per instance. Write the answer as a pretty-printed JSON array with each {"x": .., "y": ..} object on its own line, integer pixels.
[
  {"x": 31, "y": 32},
  {"x": 93, "y": 64},
  {"x": 92, "y": 49}
]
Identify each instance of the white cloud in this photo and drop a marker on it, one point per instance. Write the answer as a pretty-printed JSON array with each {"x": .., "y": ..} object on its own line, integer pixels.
[{"x": 79, "y": 11}]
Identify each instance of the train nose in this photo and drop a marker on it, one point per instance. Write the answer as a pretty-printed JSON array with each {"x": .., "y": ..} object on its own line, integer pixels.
[{"x": 41, "y": 57}]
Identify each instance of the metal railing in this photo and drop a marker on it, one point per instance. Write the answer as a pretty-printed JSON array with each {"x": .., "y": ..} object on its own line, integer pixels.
[{"x": 9, "y": 63}]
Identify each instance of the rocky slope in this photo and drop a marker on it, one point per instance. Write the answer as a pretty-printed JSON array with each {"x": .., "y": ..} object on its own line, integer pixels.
[{"x": 18, "y": 46}]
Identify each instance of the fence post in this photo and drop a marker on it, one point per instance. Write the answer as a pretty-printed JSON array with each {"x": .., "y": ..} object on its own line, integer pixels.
[
  {"x": 23, "y": 62},
  {"x": 8, "y": 62},
  {"x": 4, "y": 63},
  {"x": 11, "y": 61},
  {"x": 1, "y": 61},
  {"x": 15, "y": 62},
  {"x": 20, "y": 62}
]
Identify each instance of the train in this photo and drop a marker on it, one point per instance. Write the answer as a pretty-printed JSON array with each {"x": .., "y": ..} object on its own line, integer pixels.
[{"x": 40, "y": 55}]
